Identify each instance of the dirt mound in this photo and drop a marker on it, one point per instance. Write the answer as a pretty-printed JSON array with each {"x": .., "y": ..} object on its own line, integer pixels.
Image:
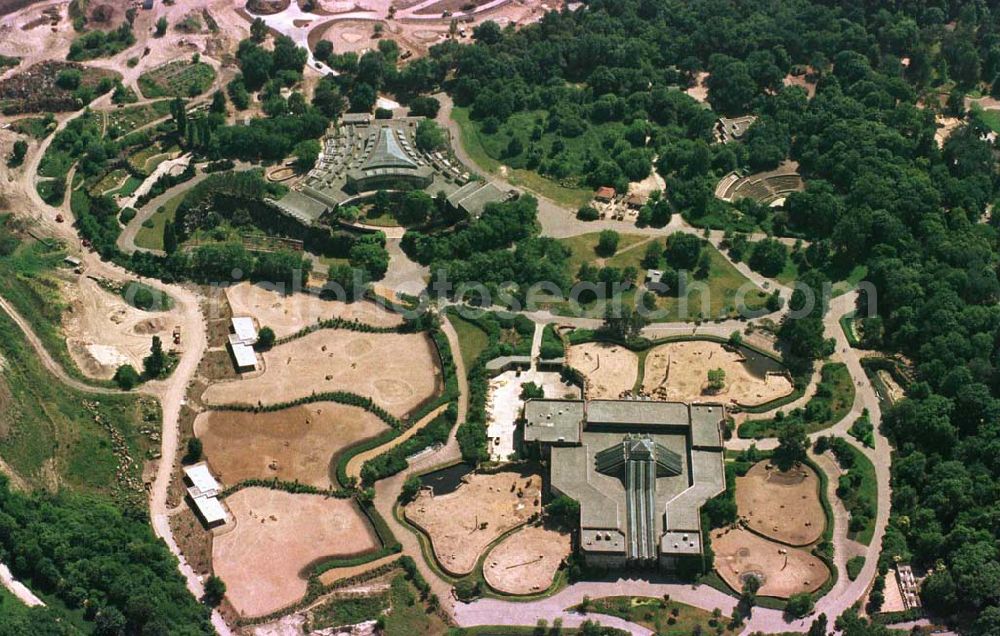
[{"x": 150, "y": 326}]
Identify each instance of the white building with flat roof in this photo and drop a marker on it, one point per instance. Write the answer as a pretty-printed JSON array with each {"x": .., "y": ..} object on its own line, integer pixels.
[
  {"x": 241, "y": 342},
  {"x": 204, "y": 492}
]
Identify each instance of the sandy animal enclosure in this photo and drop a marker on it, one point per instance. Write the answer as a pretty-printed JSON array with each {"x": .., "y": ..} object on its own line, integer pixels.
[
  {"x": 103, "y": 332},
  {"x": 610, "y": 369},
  {"x": 276, "y": 535},
  {"x": 784, "y": 506},
  {"x": 398, "y": 371},
  {"x": 295, "y": 444},
  {"x": 783, "y": 571},
  {"x": 526, "y": 562},
  {"x": 288, "y": 314},
  {"x": 462, "y": 523},
  {"x": 679, "y": 371}
]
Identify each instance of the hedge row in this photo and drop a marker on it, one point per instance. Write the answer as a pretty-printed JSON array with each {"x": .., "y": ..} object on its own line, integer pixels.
[
  {"x": 337, "y": 323},
  {"x": 293, "y": 487},
  {"x": 340, "y": 397}
]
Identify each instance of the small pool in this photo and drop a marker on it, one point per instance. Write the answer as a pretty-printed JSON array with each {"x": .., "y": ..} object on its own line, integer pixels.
[
  {"x": 758, "y": 364},
  {"x": 446, "y": 480}
]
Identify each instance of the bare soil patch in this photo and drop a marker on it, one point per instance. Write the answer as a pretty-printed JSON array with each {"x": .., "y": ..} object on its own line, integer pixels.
[
  {"x": 398, "y": 371},
  {"x": 10, "y": 6},
  {"x": 276, "y": 535},
  {"x": 287, "y": 314},
  {"x": 463, "y": 523},
  {"x": 526, "y": 562},
  {"x": 610, "y": 369},
  {"x": 679, "y": 371},
  {"x": 783, "y": 506},
  {"x": 783, "y": 571},
  {"x": 296, "y": 444},
  {"x": 104, "y": 332}
]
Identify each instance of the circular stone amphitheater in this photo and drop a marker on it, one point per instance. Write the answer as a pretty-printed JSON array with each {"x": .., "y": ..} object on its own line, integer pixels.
[{"x": 769, "y": 188}]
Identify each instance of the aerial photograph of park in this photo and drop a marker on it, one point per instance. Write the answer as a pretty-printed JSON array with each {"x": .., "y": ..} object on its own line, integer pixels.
[{"x": 499, "y": 318}]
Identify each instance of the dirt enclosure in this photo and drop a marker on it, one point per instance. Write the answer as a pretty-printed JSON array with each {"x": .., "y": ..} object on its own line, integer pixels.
[
  {"x": 277, "y": 534},
  {"x": 288, "y": 314},
  {"x": 610, "y": 369},
  {"x": 398, "y": 371},
  {"x": 526, "y": 562},
  {"x": 295, "y": 444},
  {"x": 783, "y": 571},
  {"x": 103, "y": 332},
  {"x": 462, "y": 523},
  {"x": 679, "y": 371},
  {"x": 784, "y": 506}
]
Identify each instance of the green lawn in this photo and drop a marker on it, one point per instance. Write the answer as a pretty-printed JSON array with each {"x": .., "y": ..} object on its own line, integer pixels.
[
  {"x": 722, "y": 282},
  {"x": 583, "y": 250},
  {"x": 477, "y": 146},
  {"x": 833, "y": 400},
  {"x": 472, "y": 340},
  {"x": 989, "y": 117},
  {"x": 151, "y": 238},
  {"x": 666, "y": 618}
]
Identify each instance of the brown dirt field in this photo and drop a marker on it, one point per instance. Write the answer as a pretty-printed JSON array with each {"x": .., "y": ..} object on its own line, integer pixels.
[
  {"x": 610, "y": 369},
  {"x": 782, "y": 506},
  {"x": 276, "y": 535},
  {"x": 526, "y": 562},
  {"x": 739, "y": 551},
  {"x": 295, "y": 444},
  {"x": 689, "y": 364},
  {"x": 104, "y": 332},
  {"x": 288, "y": 314},
  {"x": 398, "y": 371},
  {"x": 450, "y": 520}
]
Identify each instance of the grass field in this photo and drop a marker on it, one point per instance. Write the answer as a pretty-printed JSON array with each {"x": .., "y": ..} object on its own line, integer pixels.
[
  {"x": 666, "y": 618},
  {"x": 583, "y": 250},
  {"x": 833, "y": 400},
  {"x": 53, "y": 436},
  {"x": 471, "y": 339},
  {"x": 151, "y": 238},
  {"x": 477, "y": 146},
  {"x": 179, "y": 78},
  {"x": 723, "y": 281}
]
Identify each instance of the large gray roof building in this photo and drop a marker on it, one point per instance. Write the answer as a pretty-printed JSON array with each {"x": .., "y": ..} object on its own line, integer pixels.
[{"x": 641, "y": 471}]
